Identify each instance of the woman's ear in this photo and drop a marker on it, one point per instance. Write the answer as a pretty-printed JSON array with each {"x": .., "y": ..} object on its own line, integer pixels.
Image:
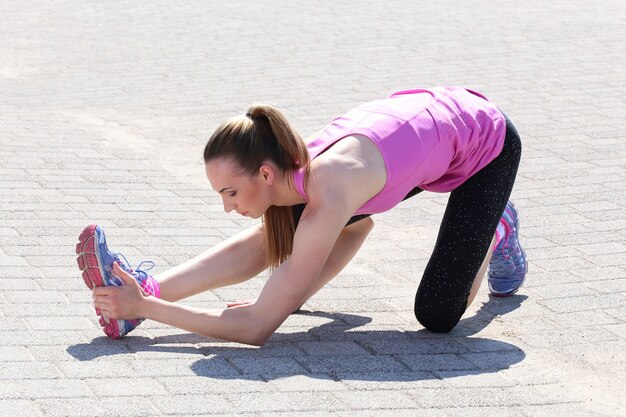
[{"x": 267, "y": 173}]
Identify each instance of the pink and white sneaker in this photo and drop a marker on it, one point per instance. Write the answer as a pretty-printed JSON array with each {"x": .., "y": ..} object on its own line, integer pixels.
[{"x": 96, "y": 261}]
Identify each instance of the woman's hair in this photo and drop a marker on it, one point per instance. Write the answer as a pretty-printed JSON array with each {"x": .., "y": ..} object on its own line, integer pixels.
[{"x": 263, "y": 134}]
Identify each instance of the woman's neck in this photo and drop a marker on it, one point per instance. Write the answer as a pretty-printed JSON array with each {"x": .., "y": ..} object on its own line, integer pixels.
[{"x": 285, "y": 193}]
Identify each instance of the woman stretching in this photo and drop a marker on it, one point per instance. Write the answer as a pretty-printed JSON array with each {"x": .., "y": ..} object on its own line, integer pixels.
[{"x": 316, "y": 197}]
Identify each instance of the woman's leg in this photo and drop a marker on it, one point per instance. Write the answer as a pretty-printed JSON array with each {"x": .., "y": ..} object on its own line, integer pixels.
[
  {"x": 242, "y": 257},
  {"x": 465, "y": 239},
  {"x": 235, "y": 260}
]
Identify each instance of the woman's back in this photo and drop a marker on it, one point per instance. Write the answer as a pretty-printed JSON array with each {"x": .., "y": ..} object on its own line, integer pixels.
[{"x": 433, "y": 139}]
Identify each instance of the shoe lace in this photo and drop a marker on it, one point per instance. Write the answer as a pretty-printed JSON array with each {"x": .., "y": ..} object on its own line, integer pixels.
[{"x": 137, "y": 272}]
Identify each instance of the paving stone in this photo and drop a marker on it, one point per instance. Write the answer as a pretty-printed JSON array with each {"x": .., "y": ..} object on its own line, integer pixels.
[
  {"x": 559, "y": 337},
  {"x": 277, "y": 401},
  {"x": 10, "y": 408},
  {"x": 60, "y": 310},
  {"x": 562, "y": 291},
  {"x": 590, "y": 302},
  {"x": 202, "y": 385},
  {"x": 15, "y": 354},
  {"x": 396, "y": 380},
  {"x": 40, "y": 338},
  {"x": 395, "y": 412},
  {"x": 135, "y": 407},
  {"x": 410, "y": 346},
  {"x": 486, "y": 411},
  {"x": 192, "y": 404},
  {"x": 309, "y": 382},
  {"x": 35, "y": 296},
  {"x": 473, "y": 379},
  {"x": 10, "y": 323},
  {"x": 332, "y": 349},
  {"x": 583, "y": 319},
  {"x": 54, "y": 323},
  {"x": 44, "y": 388},
  {"x": 438, "y": 362},
  {"x": 95, "y": 369},
  {"x": 120, "y": 386},
  {"x": 574, "y": 410},
  {"x": 495, "y": 360},
  {"x": 268, "y": 367},
  {"x": 81, "y": 352},
  {"x": 490, "y": 397},
  {"x": 214, "y": 367},
  {"x": 11, "y": 371},
  {"x": 609, "y": 286},
  {"x": 368, "y": 400}
]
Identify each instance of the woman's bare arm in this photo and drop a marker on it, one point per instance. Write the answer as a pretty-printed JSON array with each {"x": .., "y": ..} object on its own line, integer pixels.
[
  {"x": 322, "y": 222},
  {"x": 286, "y": 289}
]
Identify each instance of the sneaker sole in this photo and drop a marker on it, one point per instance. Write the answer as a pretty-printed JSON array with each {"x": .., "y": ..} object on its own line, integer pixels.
[{"x": 88, "y": 261}]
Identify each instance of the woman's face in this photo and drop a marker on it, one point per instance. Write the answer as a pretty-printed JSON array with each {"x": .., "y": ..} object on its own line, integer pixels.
[{"x": 247, "y": 195}]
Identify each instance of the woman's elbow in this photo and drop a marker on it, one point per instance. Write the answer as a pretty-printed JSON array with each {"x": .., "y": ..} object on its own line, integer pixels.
[
  {"x": 259, "y": 341},
  {"x": 258, "y": 337},
  {"x": 252, "y": 338},
  {"x": 363, "y": 226},
  {"x": 257, "y": 332}
]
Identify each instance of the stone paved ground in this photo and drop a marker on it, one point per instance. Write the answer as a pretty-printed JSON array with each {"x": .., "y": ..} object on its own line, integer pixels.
[{"x": 105, "y": 108}]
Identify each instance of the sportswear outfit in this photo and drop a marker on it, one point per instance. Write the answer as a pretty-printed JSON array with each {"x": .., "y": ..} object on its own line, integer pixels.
[{"x": 444, "y": 139}]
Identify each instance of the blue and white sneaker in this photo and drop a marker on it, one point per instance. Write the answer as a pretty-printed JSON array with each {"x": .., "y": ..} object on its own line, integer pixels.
[{"x": 508, "y": 265}]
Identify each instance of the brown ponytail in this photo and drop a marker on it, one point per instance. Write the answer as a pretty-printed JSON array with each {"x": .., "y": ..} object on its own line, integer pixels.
[{"x": 263, "y": 134}]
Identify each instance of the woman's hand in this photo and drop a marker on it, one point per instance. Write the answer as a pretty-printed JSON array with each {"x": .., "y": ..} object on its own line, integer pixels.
[{"x": 120, "y": 303}]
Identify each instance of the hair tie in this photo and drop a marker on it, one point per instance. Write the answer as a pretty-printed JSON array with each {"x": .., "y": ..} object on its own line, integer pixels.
[{"x": 249, "y": 116}]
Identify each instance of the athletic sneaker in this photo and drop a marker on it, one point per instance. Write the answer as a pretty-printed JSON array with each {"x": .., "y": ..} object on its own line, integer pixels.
[
  {"x": 96, "y": 261},
  {"x": 508, "y": 265}
]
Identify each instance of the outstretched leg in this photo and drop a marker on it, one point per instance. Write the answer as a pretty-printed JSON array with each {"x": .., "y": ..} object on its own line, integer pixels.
[
  {"x": 242, "y": 257},
  {"x": 235, "y": 260}
]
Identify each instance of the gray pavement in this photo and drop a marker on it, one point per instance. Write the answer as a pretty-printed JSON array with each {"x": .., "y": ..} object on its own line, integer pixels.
[{"x": 105, "y": 108}]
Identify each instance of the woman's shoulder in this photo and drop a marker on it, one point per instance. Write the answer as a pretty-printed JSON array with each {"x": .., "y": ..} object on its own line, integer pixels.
[
  {"x": 347, "y": 171},
  {"x": 313, "y": 136}
]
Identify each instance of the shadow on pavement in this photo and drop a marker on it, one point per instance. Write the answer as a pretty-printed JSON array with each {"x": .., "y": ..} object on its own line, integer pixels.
[{"x": 339, "y": 350}]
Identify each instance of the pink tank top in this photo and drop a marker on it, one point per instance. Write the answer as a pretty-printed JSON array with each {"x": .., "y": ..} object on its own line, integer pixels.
[{"x": 434, "y": 139}]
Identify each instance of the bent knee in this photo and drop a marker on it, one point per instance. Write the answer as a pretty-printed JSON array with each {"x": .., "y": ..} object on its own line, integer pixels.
[{"x": 437, "y": 321}]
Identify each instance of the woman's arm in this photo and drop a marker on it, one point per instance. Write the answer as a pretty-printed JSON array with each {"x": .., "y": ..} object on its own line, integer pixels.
[
  {"x": 285, "y": 291},
  {"x": 129, "y": 301},
  {"x": 331, "y": 206},
  {"x": 349, "y": 242},
  {"x": 296, "y": 279},
  {"x": 232, "y": 324},
  {"x": 245, "y": 324}
]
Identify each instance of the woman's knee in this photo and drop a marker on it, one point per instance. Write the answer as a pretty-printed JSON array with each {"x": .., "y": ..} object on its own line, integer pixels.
[
  {"x": 438, "y": 316},
  {"x": 437, "y": 325}
]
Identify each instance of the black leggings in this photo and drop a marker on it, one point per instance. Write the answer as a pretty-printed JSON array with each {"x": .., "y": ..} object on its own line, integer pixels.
[{"x": 469, "y": 223}]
